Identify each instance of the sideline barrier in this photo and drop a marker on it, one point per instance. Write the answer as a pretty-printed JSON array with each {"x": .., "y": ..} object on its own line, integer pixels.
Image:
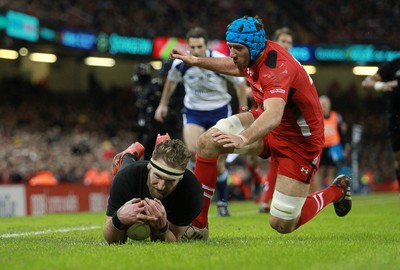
[{"x": 23, "y": 200}]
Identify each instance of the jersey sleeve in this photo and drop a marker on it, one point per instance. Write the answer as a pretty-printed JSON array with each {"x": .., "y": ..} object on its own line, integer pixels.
[
  {"x": 117, "y": 195},
  {"x": 174, "y": 74}
]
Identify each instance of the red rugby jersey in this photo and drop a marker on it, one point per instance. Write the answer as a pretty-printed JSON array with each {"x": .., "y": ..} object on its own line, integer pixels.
[{"x": 279, "y": 74}]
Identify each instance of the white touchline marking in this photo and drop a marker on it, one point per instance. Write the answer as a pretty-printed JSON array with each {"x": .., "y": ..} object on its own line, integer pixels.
[{"x": 11, "y": 235}]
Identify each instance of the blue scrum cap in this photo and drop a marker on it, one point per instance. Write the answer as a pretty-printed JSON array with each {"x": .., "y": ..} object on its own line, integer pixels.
[{"x": 247, "y": 31}]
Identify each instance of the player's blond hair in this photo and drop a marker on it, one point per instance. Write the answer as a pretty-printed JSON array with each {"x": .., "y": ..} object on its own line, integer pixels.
[{"x": 173, "y": 152}]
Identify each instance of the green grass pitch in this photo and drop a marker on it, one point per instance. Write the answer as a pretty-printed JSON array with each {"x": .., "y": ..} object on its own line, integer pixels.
[{"x": 368, "y": 238}]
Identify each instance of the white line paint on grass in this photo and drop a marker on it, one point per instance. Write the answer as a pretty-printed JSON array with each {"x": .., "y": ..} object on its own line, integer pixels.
[
  {"x": 64, "y": 230},
  {"x": 12, "y": 235}
]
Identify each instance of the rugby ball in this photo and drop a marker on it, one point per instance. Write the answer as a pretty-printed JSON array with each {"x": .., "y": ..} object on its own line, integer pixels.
[{"x": 138, "y": 231}]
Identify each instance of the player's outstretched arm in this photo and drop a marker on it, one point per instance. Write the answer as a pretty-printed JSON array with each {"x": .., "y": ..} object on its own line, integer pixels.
[
  {"x": 223, "y": 65},
  {"x": 375, "y": 82},
  {"x": 112, "y": 235}
]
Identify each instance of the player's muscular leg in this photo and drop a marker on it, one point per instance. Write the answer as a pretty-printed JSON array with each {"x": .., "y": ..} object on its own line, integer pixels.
[
  {"x": 318, "y": 179},
  {"x": 206, "y": 147},
  {"x": 191, "y": 134},
  {"x": 287, "y": 203},
  {"x": 221, "y": 164}
]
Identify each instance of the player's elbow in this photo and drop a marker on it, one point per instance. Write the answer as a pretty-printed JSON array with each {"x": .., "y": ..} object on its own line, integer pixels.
[
  {"x": 111, "y": 235},
  {"x": 114, "y": 241}
]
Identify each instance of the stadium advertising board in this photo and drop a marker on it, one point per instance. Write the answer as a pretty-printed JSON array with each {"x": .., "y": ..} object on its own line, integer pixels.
[
  {"x": 130, "y": 45},
  {"x": 163, "y": 45},
  {"x": 78, "y": 39},
  {"x": 22, "y": 26},
  {"x": 354, "y": 53},
  {"x": 22, "y": 200},
  {"x": 303, "y": 53},
  {"x": 12, "y": 200},
  {"x": 66, "y": 198}
]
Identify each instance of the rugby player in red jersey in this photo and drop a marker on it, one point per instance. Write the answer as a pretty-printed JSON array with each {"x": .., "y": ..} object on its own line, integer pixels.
[{"x": 287, "y": 125}]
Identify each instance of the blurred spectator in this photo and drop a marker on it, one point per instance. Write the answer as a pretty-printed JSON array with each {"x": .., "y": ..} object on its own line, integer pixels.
[
  {"x": 94, "y": 177},
  {"x": 43, "y": 178},
  {"x": 336, "y": 147},
  {"x": 239, "y": 184},
  {"x": 148, "y": 89}
]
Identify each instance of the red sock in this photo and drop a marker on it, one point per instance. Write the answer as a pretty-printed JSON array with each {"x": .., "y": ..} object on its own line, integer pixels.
[
  {"x": 317, "y": 201},
  {"x": 206, "y": 172},
  {"x": 269, "y": 186}
]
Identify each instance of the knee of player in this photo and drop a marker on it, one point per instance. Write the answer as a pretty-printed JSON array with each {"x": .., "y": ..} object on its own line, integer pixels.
[
  {"x": 281, "y": 226},
  {"x": 206, "y": 145},
  {"x": 192, "y": 149},
  {"x": 285, "y": 212}
]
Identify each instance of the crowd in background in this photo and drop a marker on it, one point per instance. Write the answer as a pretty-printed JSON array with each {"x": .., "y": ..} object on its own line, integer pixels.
[
  {"x": 348, "y": 22},
  {"x": 64, "y": 133},
  {"x": 360, "y": 21},
  {"x": 68, "y": 134}
]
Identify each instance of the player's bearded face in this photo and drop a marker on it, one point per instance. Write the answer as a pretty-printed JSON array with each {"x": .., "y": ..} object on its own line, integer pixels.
[
  {"x": 159, "y": 186},
  {"x": 240, "y": 54}
]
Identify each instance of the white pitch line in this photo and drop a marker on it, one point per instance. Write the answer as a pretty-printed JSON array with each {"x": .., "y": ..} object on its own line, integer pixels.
[
  {"x": 14, "y": 235},
  {"x": 11, "y": 235}
]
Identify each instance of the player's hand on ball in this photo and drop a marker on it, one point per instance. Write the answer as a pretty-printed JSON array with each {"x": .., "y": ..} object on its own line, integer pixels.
[
  {"x": 155, "y": 213},
  {"x": 132, "y": 212}
]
